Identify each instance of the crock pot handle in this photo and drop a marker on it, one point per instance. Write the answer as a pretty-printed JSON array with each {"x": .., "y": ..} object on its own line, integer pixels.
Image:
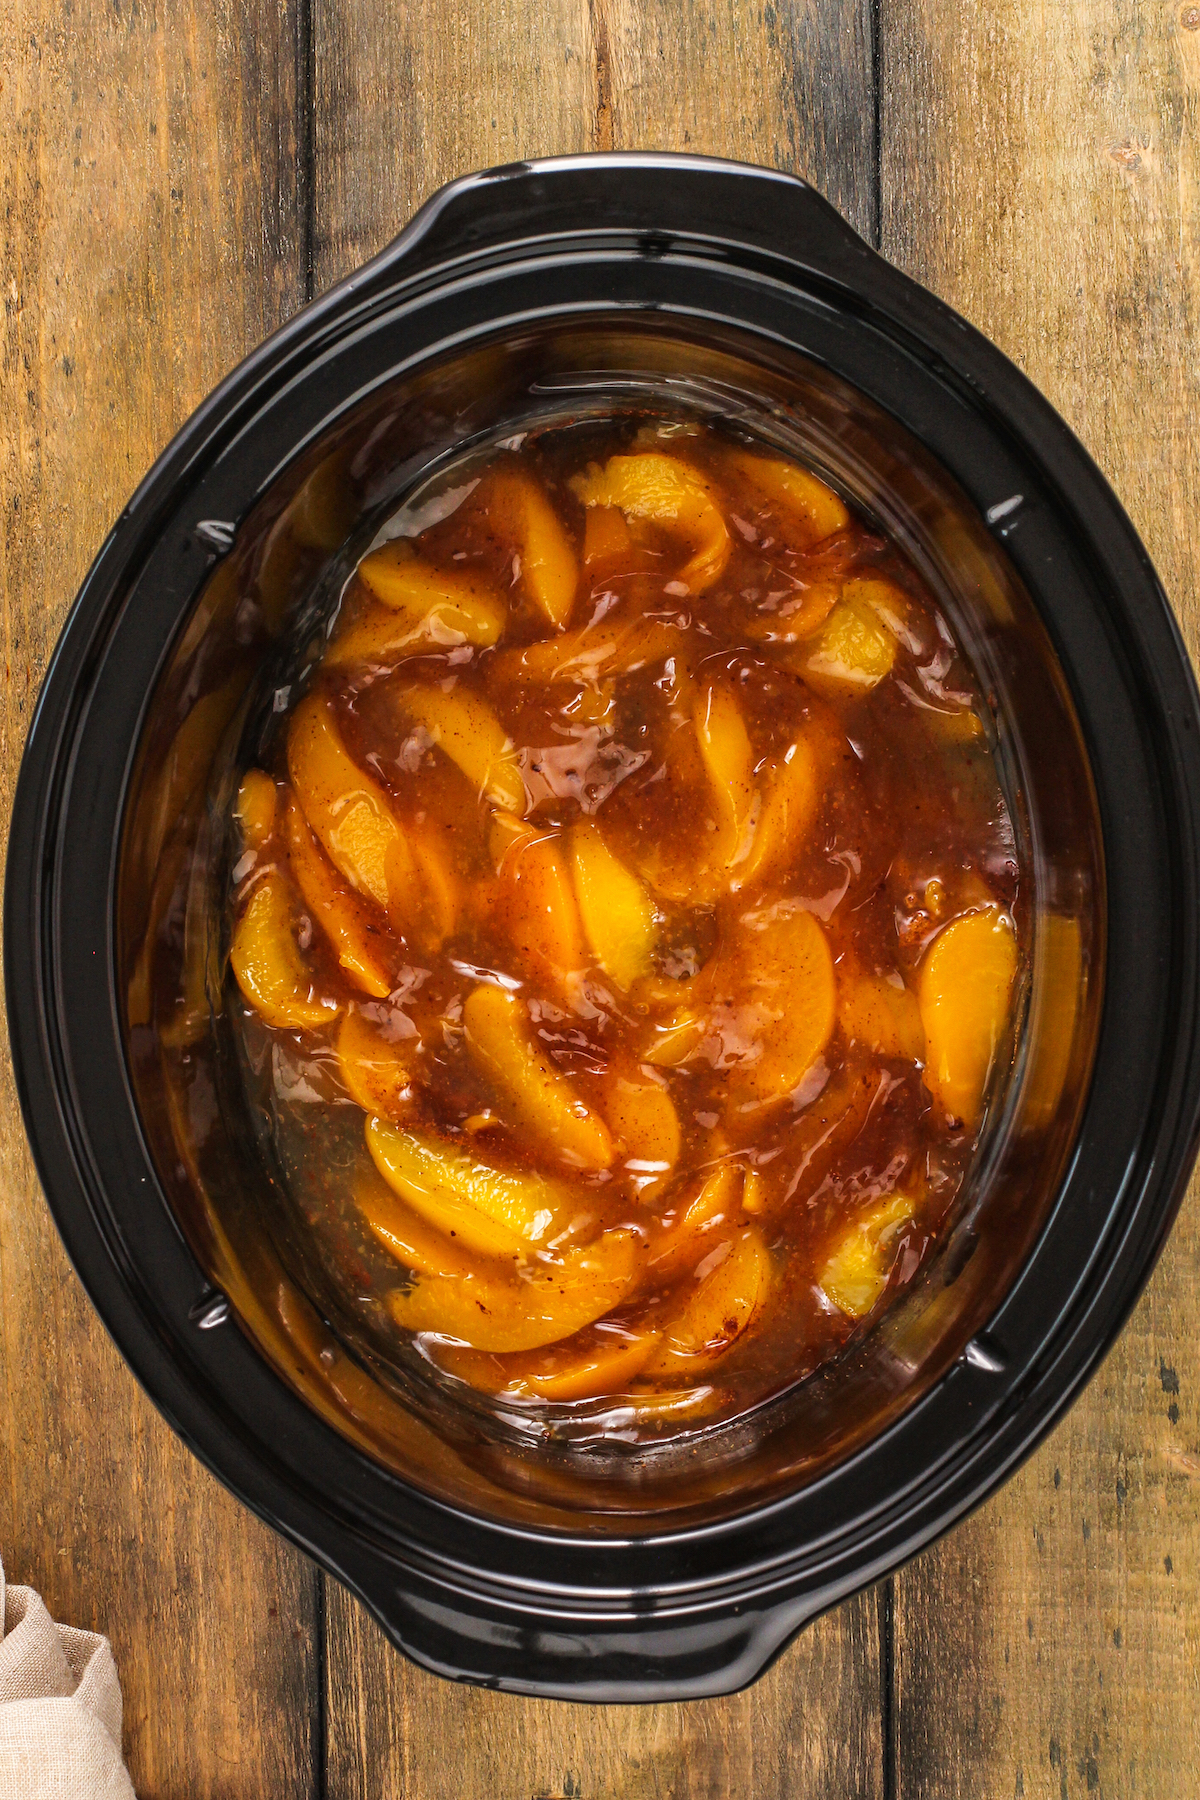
[
  {"x": 641, "y": 1657},
  {"x": 661, "y": 200}
]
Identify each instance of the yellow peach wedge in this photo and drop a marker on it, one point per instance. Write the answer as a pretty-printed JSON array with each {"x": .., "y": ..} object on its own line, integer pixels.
[
  {"x": 853, "y": 653},
  {"x": 731, "y": 1285},
  {"x": 435, "y": 897},
  {"x": 355, "y": 933},
  {"x": 267, "y": 964},
  {"x": 594, "y": 652},
  {"x": 465, "y": 728},
  {"x": 965, "y": 983},
  {"x": 794, "y": 785},
  {"x": 961, "y": 727},
  {"x": 881, "y": 1014},
  {"x": 606, "y": 537},
  {"x": 756, "y": 1193},
  {"x": 536, "y": 906},
  {"x": 348, "y": 811},
  {"x": 857, "y": 1269},
  {"x": 549, "y": 569},
  {"x": 546, "y": 1302},
  {"x": 642, "y": 1118},
  {"x": 600, "y": 1360},
  {"x": 412, "y": 588},
  {"x": 672, "y": 1042},
  {"x": 255, "y": 808},
  {"x": 672, "y": 494},
  {"x": 812, "y": 510},
  {"x": 539, "y": 1096},
  {"x": 1058, "y": 996},
  {"x": 178, "y": 786},
  {"x": 378, "y": 636},
  {"x": 378, "y": 1069},
  {"x": 697, "y": 1224},
  {"x": 729, "y": 763},
  {"x": 408, "y": 1237},
  {"x": 494, "y": 1210},
  {"x": 617, "y": 913},
  {"x": 890, "y": 604},
  {"x": 783, "y": 1004},
  {"x": 799, "y": 615}
]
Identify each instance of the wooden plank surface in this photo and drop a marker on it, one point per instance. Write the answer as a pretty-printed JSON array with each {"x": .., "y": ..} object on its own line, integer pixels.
[
  {"x": 408, "y": 96},
  {"x": 147, "y": 158},
  {"x": 1039, "y": 171},
  {"x": 160, "y": 177}
]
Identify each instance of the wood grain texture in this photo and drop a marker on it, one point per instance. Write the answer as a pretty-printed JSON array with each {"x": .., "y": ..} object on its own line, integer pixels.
[
  {"x": 1040, "y": 171},
  {"x": 150, "y": 238},
  {"x": 404, "y": 101},
  {"x": 809, "y": 1728},
  {"x": 789, "y": 85},
  {"x": 412, "y": 93}
]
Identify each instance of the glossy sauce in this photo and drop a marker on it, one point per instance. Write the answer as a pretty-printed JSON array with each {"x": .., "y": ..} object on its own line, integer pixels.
[{"x": 628, "y": 929}]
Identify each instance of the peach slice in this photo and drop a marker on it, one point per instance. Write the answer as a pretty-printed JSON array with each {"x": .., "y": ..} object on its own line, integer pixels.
[
  {"x": 642, "y": 1118},
  {"x": 356, "y": 936},
  {"x": 601, "y": 1360},
  {"x": 267, "y": 964},
  {"x": 541, "y": 1097},
  {"x": 673, "y": 1042},
  {"x": 463, "y": 725},
  {"x": 729, "y": 763},
  {"x": 697, "y": 1225},
  {"x": 380, "y": 635},
  {"x": 498, "y": 1211},
  {"x": 617, "y": 913},
  {"x": 812, "y": 510},
  {"x": 255, "y": 808},
  {"x": 794, "y": 787},
  {"x": 178, "y": 786},
  {"x": 435, "y": 900},
  {"x": 782, "y": 1005},
  {"x": 606, "y": 536},
  {"x": 535, "y": 904},
  {"x": 965, "y": 983},
  {"x": 593, "y": 653},
  {"x": 889, "y": 603},
  {"x": 408, "y": 1237},
  {"x": 731, "y": 1286},
  {"x": 1059, "y": 947},
  {"x": 546, "y": 1302},
  {"x": 518, "y": 506},
  {"x": 881, "y": 1014},
  {"x": 378, "y": 1070},
  {"x": 414, "y": 589},
  {"x": 756, "y": 1193},
  {"x": 801, "y": 615},
  {"x": 854, "y": 651},
  {"x": 672, "y": 494},
  {"x": 349, "y": 812},
  {"x": 857, "y": 1269}
]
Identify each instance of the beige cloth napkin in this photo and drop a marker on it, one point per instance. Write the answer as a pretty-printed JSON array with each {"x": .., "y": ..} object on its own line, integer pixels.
[{"x": 60, "y": 1707}]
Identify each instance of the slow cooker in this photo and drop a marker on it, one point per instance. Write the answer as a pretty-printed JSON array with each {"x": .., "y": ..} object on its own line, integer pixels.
[{"x": 533, "y": 293}]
